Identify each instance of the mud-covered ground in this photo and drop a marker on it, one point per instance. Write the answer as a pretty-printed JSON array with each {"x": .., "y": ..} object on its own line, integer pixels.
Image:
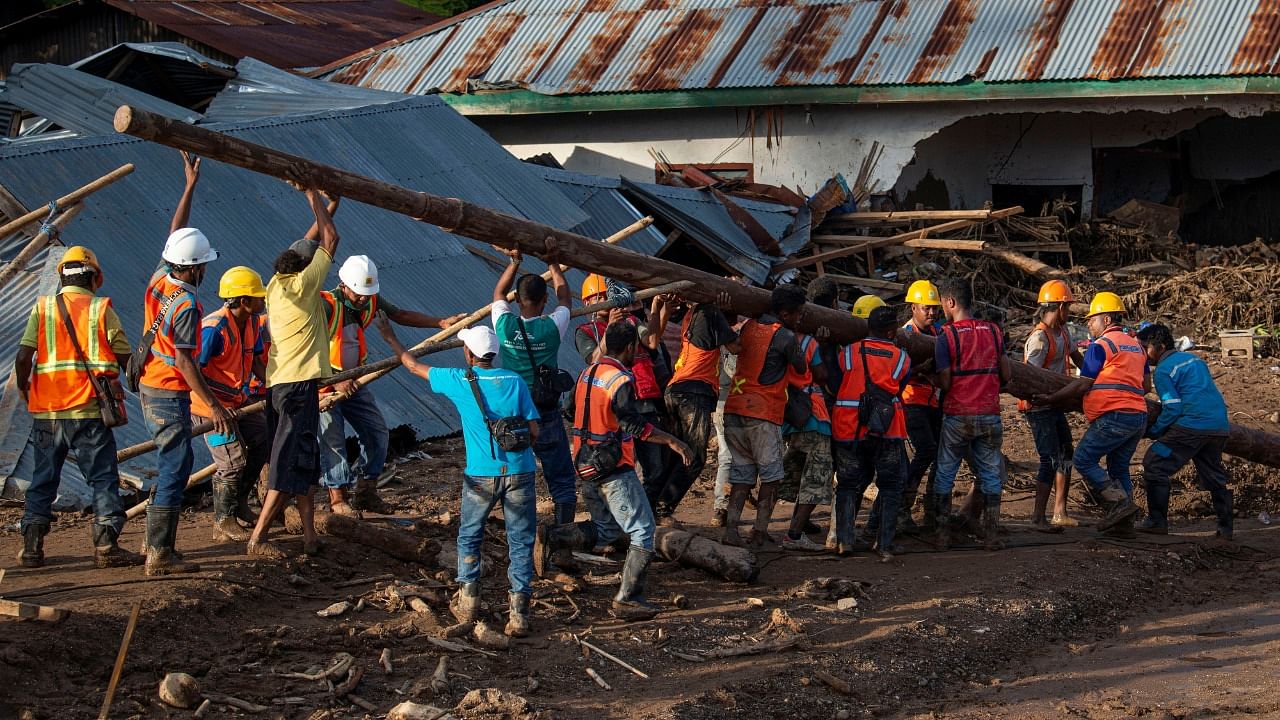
[{"x": 1053, "y": 626}]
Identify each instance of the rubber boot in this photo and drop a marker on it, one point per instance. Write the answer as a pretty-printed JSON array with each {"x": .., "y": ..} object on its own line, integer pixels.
[
  {"x": 563, "y": 557},
  {"x": 1222, "y": 507},
  {"x": 549, "y": 540},
  {"x": 244, "y": 513},
  {"x": 162, "y": 533},
  {"x": 991, "y": 523},
  {"x": 465, "y": 604},
  {"x": 1117, "y": 505},
  {"x": 720, "y": 518},
  {"x": 738, "y": 495},
  {"x": 848, "y": 503},
  {"x": 928, "y": 524},
  {"x": 517, "y": 615},
  {"x": 224, "y": 512},
  {"x": 764, "y": 514},
  {"x": 366, "y": 498},
  {"x": 1123, "y": 530},
  {"x": 107, "y": 552},
  {"x": 630, "y": 603},
  {"x": 32, "y": 553},
  {"x": 340, "y": 504},
  {"x": 942, "y": 520},
  {"x": 1157, "y": 520}
]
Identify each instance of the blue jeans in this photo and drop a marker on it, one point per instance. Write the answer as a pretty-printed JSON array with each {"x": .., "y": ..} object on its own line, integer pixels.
[
  {"x": 619, "y": 505},
  {"x": 362, "y": 413},
  {"x": 519, "y": 511},
  {"x": 95, "y": 447},
  {"x": 169, "y": 420},
  {"x": 1113, "y": 435},
  {"x": 552, "y": 451},
  {"x": 1052, "y": 436},
  {"x": 977, "y": 437}
]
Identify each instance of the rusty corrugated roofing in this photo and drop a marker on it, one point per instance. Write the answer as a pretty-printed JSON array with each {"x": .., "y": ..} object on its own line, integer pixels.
[
  {"x": 561, "y": 47},
  {"x": 287, "y": 33}
]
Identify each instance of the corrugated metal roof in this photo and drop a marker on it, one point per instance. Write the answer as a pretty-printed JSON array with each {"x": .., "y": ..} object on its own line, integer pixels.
[
  {"x": 418, "y": 142},
  {"x": 560, "y": 47},
  {"x": 608, "y": 210},
  {"x": 260, "y": 91}
]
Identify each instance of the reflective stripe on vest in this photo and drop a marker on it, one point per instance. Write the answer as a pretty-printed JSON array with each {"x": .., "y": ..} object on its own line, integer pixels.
[
  {"x": 609, "y": 377},
  {"x": 1118, "y": 386},
  {"x": 919, "y": 391},
  {"x": 337, "y": 314},
  {"x": 59, "y": 380},
  {"x": 160, "y": 370},
  {"x": 887, "y": 365},
  {"x": 694, "y": 363},
  {"x": 747, "y": 397},
  {"x": 975, "y": 368}
]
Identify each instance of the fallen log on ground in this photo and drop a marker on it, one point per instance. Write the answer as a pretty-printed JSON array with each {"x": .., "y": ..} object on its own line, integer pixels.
[
  {"x": 398, "y": 544},
  {"x": 731, "y": 563},
  {"x": 480, "y": 223}
]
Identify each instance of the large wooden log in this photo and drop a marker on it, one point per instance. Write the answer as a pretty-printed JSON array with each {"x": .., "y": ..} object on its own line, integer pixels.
[
  {"x": 473, "y": 221},
  {"x": 731, "y": 563},
  {"x": 399, "y": 544}
]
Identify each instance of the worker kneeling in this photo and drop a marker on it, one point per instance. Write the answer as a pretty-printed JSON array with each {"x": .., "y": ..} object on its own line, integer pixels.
[
  {"x": 232, "y": 353},
  {"x": 606, "y": 425},
  {"x": 69, "y": 337}
]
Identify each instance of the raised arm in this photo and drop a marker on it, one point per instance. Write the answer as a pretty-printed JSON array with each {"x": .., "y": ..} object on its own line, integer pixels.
[
  {"x": 313, "y": 232},
  {"x": 323, "y": 227},
  {"x": 182, "y": 213},
  {"x": 508, "y": 277},
  {"x": 409, "y": 362},
  {"x": 412, "y": 318}
]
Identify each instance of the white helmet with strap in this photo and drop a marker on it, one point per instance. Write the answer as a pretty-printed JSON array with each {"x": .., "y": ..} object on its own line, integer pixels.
[
  {"x": 188, "y": 246},
  {"x": 360, "y": 275}
]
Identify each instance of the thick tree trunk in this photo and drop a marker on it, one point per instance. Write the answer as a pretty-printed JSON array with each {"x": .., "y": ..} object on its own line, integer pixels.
[
  {"x": 731, "y": 563},
  {"x": 473, "y": 221},
  {"x": 399, "y": 544}
]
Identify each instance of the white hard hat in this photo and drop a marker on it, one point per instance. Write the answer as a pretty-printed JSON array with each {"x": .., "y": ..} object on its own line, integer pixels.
[
  {"x": 360, "y": 275},
  {"x": 188, "y": 246},
  {"x": 480, "y": 340}
]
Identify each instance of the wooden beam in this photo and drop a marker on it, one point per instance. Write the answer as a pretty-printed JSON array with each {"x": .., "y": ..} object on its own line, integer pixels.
[
  {"x": 945, "y": 244},
  {"x": 1026, "y": 264},
  {"x": 65, "y": 201},
  {"x": 38, "y": 243},
  {"x": 909, "y": 215},
  {"x": 13, "y": 608},
  {"x": 862, "y": 282}
]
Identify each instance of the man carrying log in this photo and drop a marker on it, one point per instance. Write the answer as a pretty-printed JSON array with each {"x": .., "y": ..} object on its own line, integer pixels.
[
  {"x": 232, "y": 354},
  {"x": 349, "y": 309},
  {"x": 606, "y": 425},
  {"x": 807, "y": 433},
  {"x": 1192, "y": 427},
  {"x": 171, "y": 376},
  {"x": 69, "y": 336},
  {"x": 1114, "y": 380},
  {"x": 297, "y": 360},
  {"x": 922, "y": 402},
  {"x": 754, "y": 412},
  {"x": 499, "y": 426},
  {"x": 971, "y": 368}
]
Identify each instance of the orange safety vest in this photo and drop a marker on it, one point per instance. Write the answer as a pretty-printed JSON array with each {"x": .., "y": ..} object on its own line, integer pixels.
[
  {"x": 160, "y": 370},
  {"x": 747, "y": 397},
  {"x": 694, "y": 363},
  {"x": 921, "y": 392},
  {"x": 228, "y": 374},
  {"x": 1119, "y": 385},
  {"x": 1049, "y": 336},
  {"x": 803, "y": 382},
  {"x": 609, "y": 378},
  {"x": 59, "y": 380},
  {"x": 335, "y": 328},
  {"x": 886, "y": 363}
]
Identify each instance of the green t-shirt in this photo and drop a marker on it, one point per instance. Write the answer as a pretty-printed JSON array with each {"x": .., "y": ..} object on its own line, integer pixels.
[{"x": 545, "y": 335}]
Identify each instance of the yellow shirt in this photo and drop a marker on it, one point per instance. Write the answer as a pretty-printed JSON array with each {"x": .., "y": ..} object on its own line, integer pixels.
[
  {"x": 119, "y": 345},
  {"x": 295, "y": 315}
]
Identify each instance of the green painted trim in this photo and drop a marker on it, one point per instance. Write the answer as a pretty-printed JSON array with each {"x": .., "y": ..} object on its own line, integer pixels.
[{"x": 526, "y": 102}]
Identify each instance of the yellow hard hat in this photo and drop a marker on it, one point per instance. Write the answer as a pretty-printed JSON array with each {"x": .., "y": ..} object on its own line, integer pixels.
[
  {"x": 241, "y": 281},
  {"x": 923, "y": 292},
  {"x": 84, "y": 256},
  {"x": 595, "y": 284},
  {"x": 864, "y": 305},
  {"x": 1105, "y": 302},
  {"x": 1056, "y": 291}
]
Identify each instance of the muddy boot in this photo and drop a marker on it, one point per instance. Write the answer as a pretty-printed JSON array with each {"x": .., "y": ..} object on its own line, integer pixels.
[
  {"x": 243, "y": 512},
  {"x": 1222, "y": 507},
  {"x": 1123, "y": 530},
  {"x": 563, "y": 557},
  {"x": 517, "y": 615},
  {"x": 465, "y": 604},
  {"x": 928, "y": 523},
  {"x": 991, "y": 523},
  {"x": 1117, "y": 505},
  {"x": 630, "y": 603},
  {"x": 720, "y": 518},
  {"x": 224, "y": 513},
  {"x": 32, "y": 553},
  {"x": 340, "y": 504},
  {"x": 367, "y": 499},
  {"x": 162, "y": 533},
  {"x": 548, "y": 541},
  {"x": 764, "y": 514},
  {"x": 738, "y": 495},
  {"x": 107, "y": 552},
  {"x": 942, "y": 520}
]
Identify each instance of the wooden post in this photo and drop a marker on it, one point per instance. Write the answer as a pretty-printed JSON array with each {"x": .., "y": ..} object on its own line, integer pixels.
[
  {"x": 65, "y": 201},
  {"x": 38, "y": 243},
  {"x": 552, "y": 244},
  {"x": 1026, "y": 264},
  {"x": 196, "y": 478}
]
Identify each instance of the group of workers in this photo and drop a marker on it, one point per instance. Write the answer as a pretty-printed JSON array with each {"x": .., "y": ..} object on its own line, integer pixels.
[{"x": 797, "y": 417}]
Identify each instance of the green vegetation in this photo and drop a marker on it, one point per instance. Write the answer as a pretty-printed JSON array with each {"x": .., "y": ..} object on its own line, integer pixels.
[{"x": 444, "y": 8}]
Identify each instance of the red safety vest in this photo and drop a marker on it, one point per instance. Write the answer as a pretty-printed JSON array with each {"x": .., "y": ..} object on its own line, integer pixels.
[
  {"x": 803, "y": 382},
  {"x": 59, "y": 380},
  {"x": 641, "y": 368},
  {"x": 694, "y": 363},
  {"x": 886, "y": 364},
  {"x": 1119, "y": 385},
  {"x": 228, "y": 374},
  {"x": 921, "y": 392},
  {"x": 161, "y": 371},
  {"x": 1054, "y": 339},
  {"x": 335, "y": 328},
  {"x": 609, "y": 378},
  {"x": 747, "y": 397},
  {"x": 976, "y": 347}
]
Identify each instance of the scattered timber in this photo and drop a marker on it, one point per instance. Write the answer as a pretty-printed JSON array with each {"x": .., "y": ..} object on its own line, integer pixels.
[
  {"x": 38, "y": 243},
  {"x": 398, "y": 544},
  {"x": 731, "y": 563}
]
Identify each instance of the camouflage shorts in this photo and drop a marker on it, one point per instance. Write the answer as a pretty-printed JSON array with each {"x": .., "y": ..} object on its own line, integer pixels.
[{"x": 809, "y": 469}]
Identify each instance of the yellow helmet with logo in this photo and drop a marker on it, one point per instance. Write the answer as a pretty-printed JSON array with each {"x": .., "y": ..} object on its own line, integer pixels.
[
  {"x": 864, "y": 305},
  {"x": 79, "y": 254},
  {"x": 923, "y": 292},
  {"x": 595, "y": 284},
  {"x": 241, "y": 281},
  {"x": 1105, "y": 302}
]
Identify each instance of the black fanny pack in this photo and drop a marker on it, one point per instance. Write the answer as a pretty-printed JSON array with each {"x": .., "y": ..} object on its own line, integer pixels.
[
  {"x": 876, "y": 405},
  {"x": 510, "y": 433},
  {"x": 598, "y": 456}
]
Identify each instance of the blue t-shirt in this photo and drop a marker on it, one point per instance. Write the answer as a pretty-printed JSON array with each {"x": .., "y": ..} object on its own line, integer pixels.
[
  {"x": 505, "y": 394},
  {"x": 1095, "y": 357},
  {"x": 1188, "y": 396},
  {"x": 211, "y": 344}
]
